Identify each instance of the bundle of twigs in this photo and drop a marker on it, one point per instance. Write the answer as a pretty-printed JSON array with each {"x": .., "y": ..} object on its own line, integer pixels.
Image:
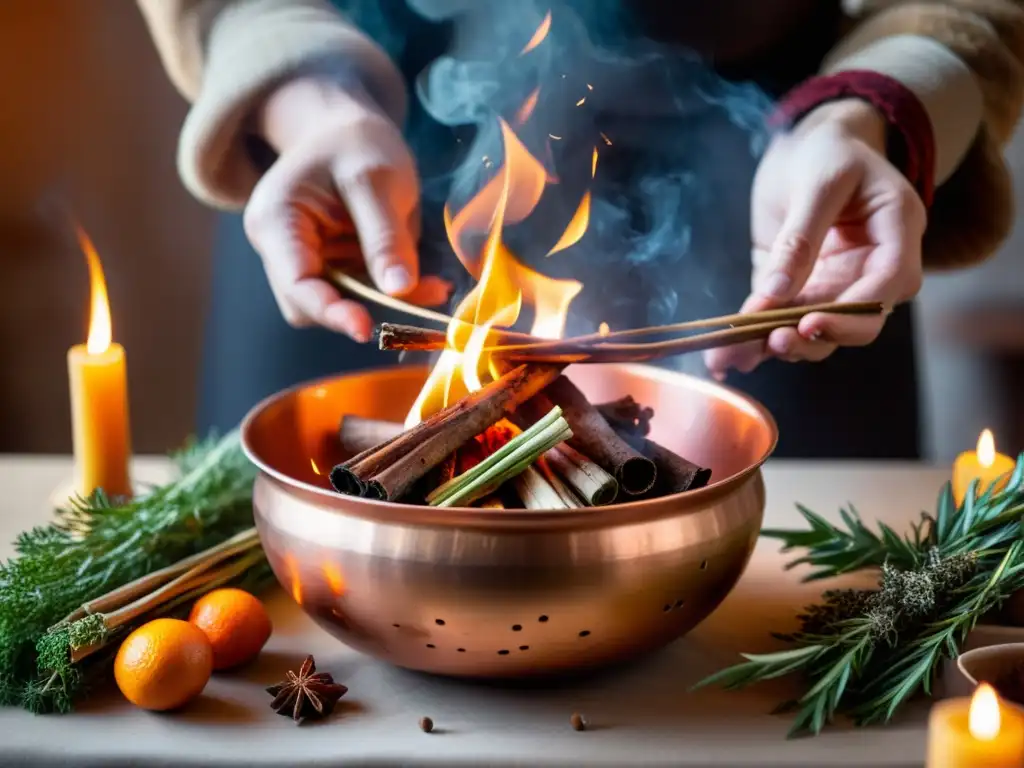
[{"x": 530, "y": 438}]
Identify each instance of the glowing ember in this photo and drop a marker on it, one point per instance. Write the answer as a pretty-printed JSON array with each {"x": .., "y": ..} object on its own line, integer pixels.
[
  {"x": 983, "y": 718},
  {"x": 539, "y": 35}
]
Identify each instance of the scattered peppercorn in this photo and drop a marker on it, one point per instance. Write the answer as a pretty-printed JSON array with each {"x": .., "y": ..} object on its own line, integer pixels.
[
  {"x": 426, "y": 724},
  {"x": 577, "y": 722}
]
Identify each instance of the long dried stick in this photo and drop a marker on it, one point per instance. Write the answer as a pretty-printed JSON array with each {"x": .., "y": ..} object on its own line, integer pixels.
[{"x": 599, "y": 349}]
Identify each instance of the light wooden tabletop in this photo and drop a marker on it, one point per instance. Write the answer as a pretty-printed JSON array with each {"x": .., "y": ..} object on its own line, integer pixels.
[{"x": 642, "y": 715}]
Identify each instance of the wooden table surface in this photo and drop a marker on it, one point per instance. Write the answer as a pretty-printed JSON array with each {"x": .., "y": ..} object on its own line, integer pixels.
[{"x": 641, "y": 715}]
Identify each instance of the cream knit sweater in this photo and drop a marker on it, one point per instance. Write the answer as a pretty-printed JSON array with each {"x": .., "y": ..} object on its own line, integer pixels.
[{"x": 964, "y": 59}]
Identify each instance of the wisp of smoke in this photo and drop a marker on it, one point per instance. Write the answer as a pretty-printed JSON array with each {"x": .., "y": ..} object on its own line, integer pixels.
[{"x": 668, "y": 236}]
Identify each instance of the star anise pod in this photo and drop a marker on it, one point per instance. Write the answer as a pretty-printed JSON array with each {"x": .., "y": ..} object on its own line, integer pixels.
[{"x": 306, "y": 694}]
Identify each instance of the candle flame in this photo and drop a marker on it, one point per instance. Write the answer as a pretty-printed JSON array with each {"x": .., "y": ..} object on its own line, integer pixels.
[
  {"x": 983, "y": 718},
  {"x": 316, "y": 469},
  {"x": 603, "y": 329},
  {"x": 100, "y": 332},
  {"x": 986, "y": 448}
]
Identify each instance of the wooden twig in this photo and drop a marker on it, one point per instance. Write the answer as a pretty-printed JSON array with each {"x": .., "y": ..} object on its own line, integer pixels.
[
  {"x": 603, "y": 349},
  {"x": 362, "y": 290},
  {"x": 734, "y": 320}
]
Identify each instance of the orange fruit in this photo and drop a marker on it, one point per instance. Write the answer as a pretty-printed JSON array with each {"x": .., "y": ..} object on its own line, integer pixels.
[
  {"x": 163, "y": 664},
  {"x": 236, "y": 624}
]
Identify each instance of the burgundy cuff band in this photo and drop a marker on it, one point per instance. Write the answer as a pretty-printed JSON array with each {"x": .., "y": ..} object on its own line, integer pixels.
[{"x": 911, "y": 142}]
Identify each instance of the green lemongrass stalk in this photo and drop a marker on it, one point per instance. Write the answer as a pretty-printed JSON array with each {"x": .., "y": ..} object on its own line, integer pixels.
[
  {"x": 508, "y": 461},
  {"x": 453, "y": 485}
]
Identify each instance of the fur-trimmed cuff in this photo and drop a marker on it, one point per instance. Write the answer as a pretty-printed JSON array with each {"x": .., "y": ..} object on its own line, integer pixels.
[{"x": 912, "y": 140}]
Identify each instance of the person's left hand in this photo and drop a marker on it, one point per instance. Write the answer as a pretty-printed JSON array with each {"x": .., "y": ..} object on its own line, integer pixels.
[{"x": 832, "y": 220}]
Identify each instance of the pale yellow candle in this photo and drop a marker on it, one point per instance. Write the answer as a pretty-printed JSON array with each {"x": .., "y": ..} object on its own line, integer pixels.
[
  {"x": 98, "y": 380},
  {"x": 980, "y": 732},
  {"x": 984, "y": 464}
]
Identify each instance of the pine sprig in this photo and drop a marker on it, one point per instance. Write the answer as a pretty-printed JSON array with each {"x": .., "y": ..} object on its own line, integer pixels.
[
  {"x": 96, "y": 545},
  {"x": 865, "y": 653}
]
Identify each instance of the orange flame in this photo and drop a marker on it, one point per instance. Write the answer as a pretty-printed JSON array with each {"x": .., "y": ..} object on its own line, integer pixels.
[
  {"x": 504, "y": 284},
  {"x": 316, "y": 469},
  {"x": 603, "y": 329},
  {"x": 529, "y": 105},
  {"x": 335, "y": 581},
  {"x": 100, "y": 331},
  {"x": 577, "y": 227},
  {"x": 539, "y": 35}
]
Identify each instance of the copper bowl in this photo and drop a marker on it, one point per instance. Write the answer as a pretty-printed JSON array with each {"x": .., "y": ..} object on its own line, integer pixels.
[{"x": 502, "y": 593}]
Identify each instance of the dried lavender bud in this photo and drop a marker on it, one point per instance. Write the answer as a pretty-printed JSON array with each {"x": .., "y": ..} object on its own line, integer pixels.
[
  {"x": 426, "y": 724},
  {"x": 949, "y": 573},
  {"x": 577, "y": 722},
  {"x": 883, "y": 620}
]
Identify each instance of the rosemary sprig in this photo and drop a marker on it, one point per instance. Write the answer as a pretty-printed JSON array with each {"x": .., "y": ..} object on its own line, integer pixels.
[
  {"x": 864, "y": 653},
  {"x": 97, "y": 545}
]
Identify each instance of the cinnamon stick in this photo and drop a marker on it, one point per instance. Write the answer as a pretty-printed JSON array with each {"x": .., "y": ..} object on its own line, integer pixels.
[
  {"x": 627, "y": 415},
  {"x": 675, "y": 474},
  {"x": 389, "y": 471},
  {"x": 358, "y": 433},
  {"x": 594, "y": 438},
  {"x": 412, "y": 338}
]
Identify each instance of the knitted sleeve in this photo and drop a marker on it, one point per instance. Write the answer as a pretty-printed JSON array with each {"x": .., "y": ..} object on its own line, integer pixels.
[
  {"x": 225, "y": 55},
  {"x": 949, "y": 76}
]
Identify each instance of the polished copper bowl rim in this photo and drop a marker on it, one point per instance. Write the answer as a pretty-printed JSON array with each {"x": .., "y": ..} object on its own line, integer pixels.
[{"x": 619, "y": 513}]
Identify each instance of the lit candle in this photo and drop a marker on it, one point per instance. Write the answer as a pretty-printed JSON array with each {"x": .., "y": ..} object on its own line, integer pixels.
[
  {"x": 984, "y": 465},
  {"x": 99, "y": 396},
  {"x": 979, "y": 732}
]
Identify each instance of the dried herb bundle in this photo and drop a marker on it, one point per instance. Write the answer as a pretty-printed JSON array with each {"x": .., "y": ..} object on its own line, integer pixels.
[
  {"x": 864, "y": 653},
  {"x": 96, "y": 546}
]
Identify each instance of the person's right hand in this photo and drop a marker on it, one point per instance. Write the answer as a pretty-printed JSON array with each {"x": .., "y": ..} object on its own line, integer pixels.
[{"x": 344, "y": 188}]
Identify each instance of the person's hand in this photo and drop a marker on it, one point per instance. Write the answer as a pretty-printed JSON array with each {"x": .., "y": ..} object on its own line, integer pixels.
[
  {"x": 832, "y": 220},
  {"x": 344, "y": 188}
]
